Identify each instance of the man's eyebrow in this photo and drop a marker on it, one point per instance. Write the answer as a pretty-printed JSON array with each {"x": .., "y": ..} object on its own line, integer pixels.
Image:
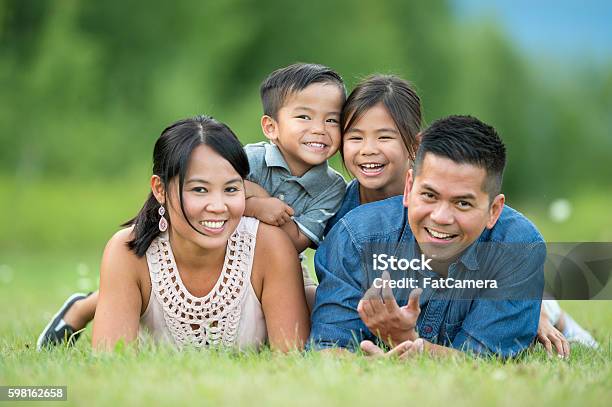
[
  {"x": 467, "y": 196},
  {"x": 429, "y": 187}
]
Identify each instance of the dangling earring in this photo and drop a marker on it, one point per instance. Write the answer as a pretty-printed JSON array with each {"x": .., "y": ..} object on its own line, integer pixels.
[{"x": 163, "y": 223}]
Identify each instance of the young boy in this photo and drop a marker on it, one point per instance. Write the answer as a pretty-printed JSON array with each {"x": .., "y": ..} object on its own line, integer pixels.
[{"x": 290, "y": 184}]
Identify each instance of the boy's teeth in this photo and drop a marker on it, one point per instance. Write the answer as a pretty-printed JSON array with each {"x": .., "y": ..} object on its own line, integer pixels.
[
  {"x": 439, "y": 235},
  {"x": 371, "y": 165},
  {"x": 213, "y": 224},
  {"x": 317, "y": 145}
]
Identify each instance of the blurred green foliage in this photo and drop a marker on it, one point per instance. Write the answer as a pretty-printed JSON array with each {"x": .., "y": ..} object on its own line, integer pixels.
[{"x": 88, "y": 86}]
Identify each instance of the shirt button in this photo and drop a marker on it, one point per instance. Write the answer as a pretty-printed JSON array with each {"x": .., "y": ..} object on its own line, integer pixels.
[
  {"x": 281, "y": 197},
  {"x": 427, "y": 329}
]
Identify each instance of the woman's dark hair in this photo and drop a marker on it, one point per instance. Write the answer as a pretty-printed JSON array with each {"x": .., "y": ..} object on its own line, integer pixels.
[
  {"x": 398, "y": 97},
  {"x": 171, "y": 158}
]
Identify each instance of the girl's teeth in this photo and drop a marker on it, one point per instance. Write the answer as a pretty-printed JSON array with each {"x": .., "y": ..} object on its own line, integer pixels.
[
  {"x": 371, "y": 167},
  {"x": 212, "y": 224}
]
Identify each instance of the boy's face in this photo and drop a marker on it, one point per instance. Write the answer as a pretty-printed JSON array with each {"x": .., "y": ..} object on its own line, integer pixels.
[
  {"x": 447, "y": 206},
  {"x": 307, "y": 129}
]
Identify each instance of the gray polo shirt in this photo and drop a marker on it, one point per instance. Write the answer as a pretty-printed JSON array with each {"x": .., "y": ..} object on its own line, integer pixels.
[{"x": 315, "y": 196}]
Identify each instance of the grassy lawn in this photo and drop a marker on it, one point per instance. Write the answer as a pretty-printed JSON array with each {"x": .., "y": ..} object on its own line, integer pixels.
[{"x": 33, "y": 286}]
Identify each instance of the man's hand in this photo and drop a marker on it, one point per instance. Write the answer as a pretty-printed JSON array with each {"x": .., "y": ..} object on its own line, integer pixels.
[
  {"x": 402, "y": 351},
  {"x": 272, "y": 211},
  {"x": 383, "y": 317},
  {"x": 548, "y": 336}
]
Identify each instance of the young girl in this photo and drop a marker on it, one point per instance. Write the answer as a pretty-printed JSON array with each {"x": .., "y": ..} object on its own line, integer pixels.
[
  {"x": 380, "y": 121},
  {"x": 187, "y": 268}
]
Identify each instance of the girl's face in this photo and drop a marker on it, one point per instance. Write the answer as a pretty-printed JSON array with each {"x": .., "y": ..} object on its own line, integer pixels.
[
  {"x": 213, "y": 198},
  {"x": 375, "y": 153}
]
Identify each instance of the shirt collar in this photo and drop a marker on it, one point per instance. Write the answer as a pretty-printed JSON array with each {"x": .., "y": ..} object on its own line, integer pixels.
[
  {"x": 468, "y": 258},
  {"x": 274, "y": 158},
  {"x": 311, "y": 181}
]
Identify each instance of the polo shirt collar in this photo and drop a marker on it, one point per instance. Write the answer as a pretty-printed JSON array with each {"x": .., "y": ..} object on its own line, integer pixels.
[{"x": 311, "y": 181}]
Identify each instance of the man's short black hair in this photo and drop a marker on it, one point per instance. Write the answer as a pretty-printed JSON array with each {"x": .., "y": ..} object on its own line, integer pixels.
[
  {"x": 294, "y": 78},
  {"x": 466, "y": 140}
]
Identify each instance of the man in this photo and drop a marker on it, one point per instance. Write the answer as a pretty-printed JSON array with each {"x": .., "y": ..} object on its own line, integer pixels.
[{"x": 454, "y": 221}]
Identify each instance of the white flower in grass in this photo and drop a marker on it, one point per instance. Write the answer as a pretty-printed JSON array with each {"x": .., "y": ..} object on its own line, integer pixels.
[
  {"x": 499, "y": 375},
  {"x": 560, "y": 210}
]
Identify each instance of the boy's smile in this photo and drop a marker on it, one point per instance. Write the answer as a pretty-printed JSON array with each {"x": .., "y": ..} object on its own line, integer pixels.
[{"x": 307, "y": 129}]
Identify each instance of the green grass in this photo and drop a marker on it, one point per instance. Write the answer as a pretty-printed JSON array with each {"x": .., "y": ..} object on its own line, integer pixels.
[
  {"x": 46, "y": 254},
  {"x": 32, "y": 287}
]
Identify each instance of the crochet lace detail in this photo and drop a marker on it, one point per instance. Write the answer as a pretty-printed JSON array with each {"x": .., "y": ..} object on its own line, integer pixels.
[{"x": 211, "y": 320}]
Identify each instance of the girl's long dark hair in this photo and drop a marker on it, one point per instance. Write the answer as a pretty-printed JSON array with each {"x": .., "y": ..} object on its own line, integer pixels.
[
  {"x": 398, "y": 97},
  {"x": 170, "y": 159}
]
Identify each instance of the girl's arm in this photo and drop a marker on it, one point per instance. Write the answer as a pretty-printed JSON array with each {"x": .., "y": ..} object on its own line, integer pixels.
[
  {"x": 282, "y": 296},
  {"x": 120, "y": 301}
]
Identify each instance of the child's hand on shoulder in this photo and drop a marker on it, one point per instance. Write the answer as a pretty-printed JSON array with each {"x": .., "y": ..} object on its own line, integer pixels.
[{"x": 271, "y": 210}]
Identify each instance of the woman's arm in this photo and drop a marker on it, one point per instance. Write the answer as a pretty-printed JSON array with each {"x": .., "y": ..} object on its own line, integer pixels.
[
  {"x": 120, "y": 301},
  {"x": 282, "y": 294}
]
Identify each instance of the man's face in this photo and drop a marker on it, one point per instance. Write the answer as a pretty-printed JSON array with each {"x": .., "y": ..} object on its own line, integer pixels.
[{"x": 447, "y": 206}]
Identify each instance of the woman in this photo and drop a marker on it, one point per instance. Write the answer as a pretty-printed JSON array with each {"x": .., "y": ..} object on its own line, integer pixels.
[{"x": 189, "y": 268}]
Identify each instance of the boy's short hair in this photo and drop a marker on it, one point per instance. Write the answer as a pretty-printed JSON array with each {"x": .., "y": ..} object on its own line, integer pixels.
[
  {"x": 466, "y": 140},
  {"x": 293, "y": 78}
]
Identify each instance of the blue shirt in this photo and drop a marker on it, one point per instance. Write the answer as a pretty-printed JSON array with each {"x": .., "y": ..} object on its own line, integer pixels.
[
  {"x": 315, "y": 196},
  {"x": 350, "y": 202},
  {"x": 499, "y": 321}
]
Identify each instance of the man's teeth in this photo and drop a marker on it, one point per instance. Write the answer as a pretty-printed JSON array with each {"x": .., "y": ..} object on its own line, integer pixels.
[
  {"x": 213, "y": 224},
  {"x": 440, "y": 235},
  {"x": 316, "y": 145}
]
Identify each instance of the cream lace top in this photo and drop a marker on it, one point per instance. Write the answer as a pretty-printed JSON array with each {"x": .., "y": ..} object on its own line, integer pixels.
[{"x": 230, "y": 315}]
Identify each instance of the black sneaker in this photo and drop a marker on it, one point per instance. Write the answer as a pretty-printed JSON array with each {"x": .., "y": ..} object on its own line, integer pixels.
[{"x": 57, "y": 331}]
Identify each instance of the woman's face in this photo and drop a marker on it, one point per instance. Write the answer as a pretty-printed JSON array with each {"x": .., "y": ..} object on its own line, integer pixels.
[
  {"x": 213, "y": 198},
  {"x": 375, "y": 153}
]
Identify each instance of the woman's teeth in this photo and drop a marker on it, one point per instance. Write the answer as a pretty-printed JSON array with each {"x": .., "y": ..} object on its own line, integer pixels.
[
  {"x": 212, "y": 224},
  {"x": 440, "y": 235}
]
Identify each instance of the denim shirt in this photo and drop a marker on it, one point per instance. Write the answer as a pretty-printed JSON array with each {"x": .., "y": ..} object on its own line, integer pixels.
[
  {"x": 350, "y": 202},
  {"x": 499, "y": 322}
]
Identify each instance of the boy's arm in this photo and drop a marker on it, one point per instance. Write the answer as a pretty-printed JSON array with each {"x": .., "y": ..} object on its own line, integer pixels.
[
  {"x": 253, "y": 189},
  {"x": 275, "y": 212},
  {"x": 299, "y": 239}
]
